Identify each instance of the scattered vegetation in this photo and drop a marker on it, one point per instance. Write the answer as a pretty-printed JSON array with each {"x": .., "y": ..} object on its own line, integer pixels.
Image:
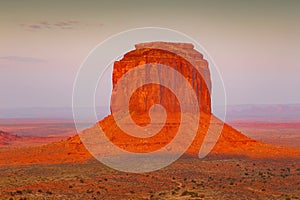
[
  {"x": 190, "y": 193},
  {"x": 49, "y": 192},
  {"x": 99, "y": 184}
]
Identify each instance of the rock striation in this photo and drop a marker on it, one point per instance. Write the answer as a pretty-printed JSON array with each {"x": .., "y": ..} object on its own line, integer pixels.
[{"x": 180, "y": 56}]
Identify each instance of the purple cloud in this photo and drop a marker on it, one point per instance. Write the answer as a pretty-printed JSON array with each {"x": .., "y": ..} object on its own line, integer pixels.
[
  {"x": 34, "y": 26},
  {"x": 44, "y": 24},
  {"x": 64, "y": 24},
  {"x": 22, "y": 59}
]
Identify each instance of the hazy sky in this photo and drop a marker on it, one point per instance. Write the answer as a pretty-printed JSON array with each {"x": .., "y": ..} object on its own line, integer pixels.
[{"x": 255, "y": 45}]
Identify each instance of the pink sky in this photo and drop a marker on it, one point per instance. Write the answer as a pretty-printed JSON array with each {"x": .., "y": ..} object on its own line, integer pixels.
[{"x": 255, "y": 45}]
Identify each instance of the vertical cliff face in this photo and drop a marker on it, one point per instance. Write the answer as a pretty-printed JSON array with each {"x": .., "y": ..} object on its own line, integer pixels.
[{"x": 179, "y": 56}]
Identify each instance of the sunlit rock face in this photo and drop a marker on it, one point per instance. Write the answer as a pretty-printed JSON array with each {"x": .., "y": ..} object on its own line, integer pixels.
[{"x": 182, "y": 57}]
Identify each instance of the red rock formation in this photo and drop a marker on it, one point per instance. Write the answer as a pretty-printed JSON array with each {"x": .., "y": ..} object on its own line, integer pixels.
[
  {"x": 231, "y": 141},
  {"x": 175, "y": 55},
  {"x": 179, "y": 56},
  {"x": 183, "y": 58}
]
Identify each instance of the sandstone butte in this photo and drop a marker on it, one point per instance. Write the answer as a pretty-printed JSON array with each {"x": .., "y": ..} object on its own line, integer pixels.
[{"x": 183, "y": 58}]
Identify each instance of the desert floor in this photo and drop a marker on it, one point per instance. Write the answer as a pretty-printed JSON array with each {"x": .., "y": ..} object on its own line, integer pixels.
[{"x": 187, "y": 178}]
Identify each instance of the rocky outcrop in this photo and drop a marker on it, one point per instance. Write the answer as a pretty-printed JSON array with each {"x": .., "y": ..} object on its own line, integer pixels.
[
  {"x": 6, "y": 138},
  {"x": 179, "y": 56}
]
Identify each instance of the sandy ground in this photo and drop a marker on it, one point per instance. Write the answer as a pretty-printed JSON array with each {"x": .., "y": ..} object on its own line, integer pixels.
[{"x": 187, "y": 178}]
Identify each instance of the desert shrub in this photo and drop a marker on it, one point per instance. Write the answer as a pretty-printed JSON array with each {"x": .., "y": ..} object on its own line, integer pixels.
[
  {"x": 162, "y": 193},
  {"x": 89, "y": 191},
  {"x": 201, "y": 184},
  {"x": 12, "y": 193},
  {"x": 19, "y": 192},
  {"x": 185, "y": 193},
  {"x": 192, "y": 194},
  {"x": 29, "y": 191}
]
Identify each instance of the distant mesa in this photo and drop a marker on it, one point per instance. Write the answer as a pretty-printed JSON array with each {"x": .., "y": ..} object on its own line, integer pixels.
[
  {"x": 231, "y": 142},
  {"x": 6, "y": 138}
]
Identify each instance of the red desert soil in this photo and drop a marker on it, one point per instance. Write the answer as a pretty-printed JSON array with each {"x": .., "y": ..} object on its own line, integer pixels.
[
  {"x": 231, "y": 143},
  {"x": 271, "y": 132},
  {"x": 9, "y": 140},
  {"x": 38, "y": 127}
]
